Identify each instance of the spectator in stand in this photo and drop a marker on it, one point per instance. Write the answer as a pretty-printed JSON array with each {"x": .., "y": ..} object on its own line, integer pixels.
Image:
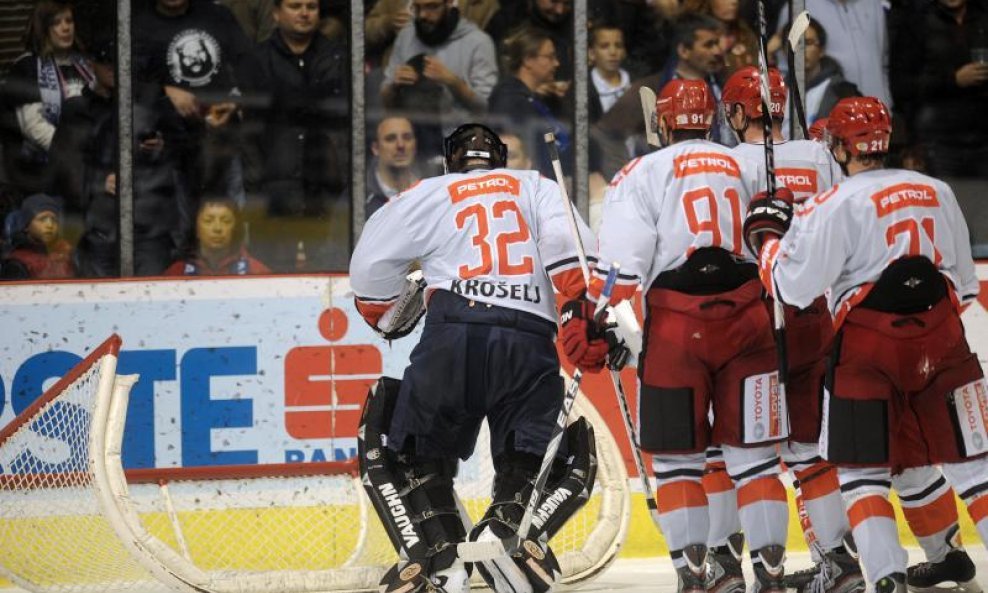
[
  {"x": 254, "y": 17},
  {"x": 825, "y": 84},
  {"x": 620, "y": 133},
  {"x": 858, "y": 41},
  {"x": 38, "y": 250},
  {"x": 52, "y": 71},
  {"x": 517, "y": 153},
  {"x": 441, "y": 71},
  {"x": 555, "y": 17},
  {"x": 393, "y": 168},
  {"x": 940, "y": 82},
  {"x": 530, "y": 58},
  {"x": 608, "y": 79},
  {"x": 387, "y": 17},
  {"x": 82, "y": 169},
  {"x": 739, "y": 41},
  {"x": 189, "y": 50},
  {"x": 295, "y": 88},
  {"x": 647, "y": 28},
  {"x": 219, "y": 248}
]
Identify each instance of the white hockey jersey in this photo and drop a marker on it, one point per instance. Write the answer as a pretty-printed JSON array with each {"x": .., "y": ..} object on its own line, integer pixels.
[
  {"x": 804, "y": 166},
  {"x": 844, "y": 238},
  {"x": 662, "y": 207},
  {"x": 492, "y": 236}
]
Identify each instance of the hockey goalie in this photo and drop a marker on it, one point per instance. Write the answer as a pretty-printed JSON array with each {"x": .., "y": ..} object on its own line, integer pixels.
[{"x": 492, "y": 244}]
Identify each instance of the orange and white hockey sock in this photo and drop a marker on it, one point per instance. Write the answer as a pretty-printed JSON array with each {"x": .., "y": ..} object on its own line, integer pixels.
[
  {"x": 818, "y": 487},
  {"x": 681, "y": 501},
  {"x": 820, "y": 491},
  {"x": 970, "y": 479},
  {"x": 930, "y": 509},
  {"x": 762, "y": 504},
  {"x": 866, "y": 494},
  {"x": 721, "y": 498}
]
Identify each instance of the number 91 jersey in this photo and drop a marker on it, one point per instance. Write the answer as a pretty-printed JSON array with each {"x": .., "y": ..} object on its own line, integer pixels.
[
  {"x": 494, "y": 236},
  {"x": 662, "y": 207}
]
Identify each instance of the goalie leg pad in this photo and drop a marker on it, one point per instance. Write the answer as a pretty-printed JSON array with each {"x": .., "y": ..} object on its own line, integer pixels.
[
  {"x": 534, "y": 568},
  {"x": 413, "y": 496},
  {"x": 571, "y": 480}
]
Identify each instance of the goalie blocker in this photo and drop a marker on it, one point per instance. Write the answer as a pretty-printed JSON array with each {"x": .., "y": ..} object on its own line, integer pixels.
[{"x": 414, "y": 499}]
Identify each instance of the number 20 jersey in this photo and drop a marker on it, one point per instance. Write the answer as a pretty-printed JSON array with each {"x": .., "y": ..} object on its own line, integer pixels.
[
  {"x": 662, "y": 207},
  {"x": 498, "y": 236},
  {"x": 844, "y": 238}
]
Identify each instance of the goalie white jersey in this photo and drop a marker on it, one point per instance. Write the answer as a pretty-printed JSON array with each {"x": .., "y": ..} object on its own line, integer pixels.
[
  {"x": 803, "y": 166},
  {"x": 662, "y": 207},
  {"x": 844, "y": 238},
  {"x": 493, "y": 236}
]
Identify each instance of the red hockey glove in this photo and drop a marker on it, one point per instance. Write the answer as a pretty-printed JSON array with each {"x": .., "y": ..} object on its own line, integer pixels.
[
  {"x": 583, "y": 344},
  {"x": 767, "y": 218}
]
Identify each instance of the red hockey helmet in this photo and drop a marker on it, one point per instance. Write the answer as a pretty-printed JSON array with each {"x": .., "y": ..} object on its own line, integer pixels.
[
  {"x": 818, "y": 130},
  {"x": 862, "y": 124},
  {"x": 686, "y": 105},
  {"x": 745, "y": 87}
]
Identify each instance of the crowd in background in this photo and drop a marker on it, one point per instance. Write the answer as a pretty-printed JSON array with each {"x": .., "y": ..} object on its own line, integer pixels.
[{"x": 242, "y": 110}]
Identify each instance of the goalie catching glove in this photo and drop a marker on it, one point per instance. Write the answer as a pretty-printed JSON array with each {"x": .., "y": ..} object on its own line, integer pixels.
[
  {"x": 402, "y": 317},
  {"x": 588, "y": 345},
  {"x": 767, "y": 218}
]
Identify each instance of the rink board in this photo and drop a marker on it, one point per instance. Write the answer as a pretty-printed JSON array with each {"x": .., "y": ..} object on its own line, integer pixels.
[{"x": 231, "y": 349}]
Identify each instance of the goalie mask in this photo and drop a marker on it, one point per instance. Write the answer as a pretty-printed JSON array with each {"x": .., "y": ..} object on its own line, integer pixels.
[{"x": 471, "y": 143}]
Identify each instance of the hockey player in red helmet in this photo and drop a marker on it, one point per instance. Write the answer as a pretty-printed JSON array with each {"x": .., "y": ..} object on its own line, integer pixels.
[
  {"x": 802, "y": 168},
  {"x": 672, "y": 220},
  {"x": 890, "y": 249}
]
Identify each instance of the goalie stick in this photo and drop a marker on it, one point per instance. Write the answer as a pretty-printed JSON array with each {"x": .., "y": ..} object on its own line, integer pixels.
[
  {"x": 796, "y": 31},
  {"x": 605, "y": 297},
  {"x": 647, "y": 97},
  {"x": 778, "y": 315}
]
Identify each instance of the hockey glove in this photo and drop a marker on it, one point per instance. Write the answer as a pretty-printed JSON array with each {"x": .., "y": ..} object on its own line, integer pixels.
[
  {"x": 618, "y": 352},
  {"x": 767, "y": 218},
  {"x": 583, "y": 343}
]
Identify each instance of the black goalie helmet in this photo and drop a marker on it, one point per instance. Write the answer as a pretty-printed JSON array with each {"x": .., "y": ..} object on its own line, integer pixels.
[{"x": 473, "y": 141}]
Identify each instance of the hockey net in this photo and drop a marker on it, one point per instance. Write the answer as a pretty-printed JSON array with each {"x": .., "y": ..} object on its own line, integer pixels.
[{"x": 73, "y": 520}]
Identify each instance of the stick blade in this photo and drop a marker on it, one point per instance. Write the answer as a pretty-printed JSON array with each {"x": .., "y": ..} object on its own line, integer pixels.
[
  {"x": 647, "y": 96},
  {"x": 798, "y": 29}
]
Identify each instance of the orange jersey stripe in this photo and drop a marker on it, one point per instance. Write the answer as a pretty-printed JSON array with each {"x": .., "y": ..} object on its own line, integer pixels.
[
  {"x": 760, "y": 490},
  {"x": 978, "y": 509},
  {"x": 371, "y": 312},
  {"x": 621, "y": 291},
  {"x": 679, "y": 495},
  {"x": 569, "y": 283},
  {"x": 870, "y": 506},
  {"x": 770, "y": 250},
  {"x": 932, "y": 518},
  {"x": 823, "y": 481}
]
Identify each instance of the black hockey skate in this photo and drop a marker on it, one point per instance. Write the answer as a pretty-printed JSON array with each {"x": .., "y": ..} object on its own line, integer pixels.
[
  {"x": 893, "y": 583},
  {"x": 955, "y": 573},
  {"x": 692, "y": 575},
  {"x": 769, "y": 566},
  {"x": 837, "y": 572},
  {"x": 724, "y": 573}
]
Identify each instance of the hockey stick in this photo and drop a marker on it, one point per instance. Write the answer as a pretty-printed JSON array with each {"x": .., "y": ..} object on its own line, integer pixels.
[
  {"x": 629, "y": 426},
  {"x": 778, "y": 315},
  {"x": 647, "y": 97},
  {"x": 605, "y": 297},
  {"x": 796, "y": 32}
]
